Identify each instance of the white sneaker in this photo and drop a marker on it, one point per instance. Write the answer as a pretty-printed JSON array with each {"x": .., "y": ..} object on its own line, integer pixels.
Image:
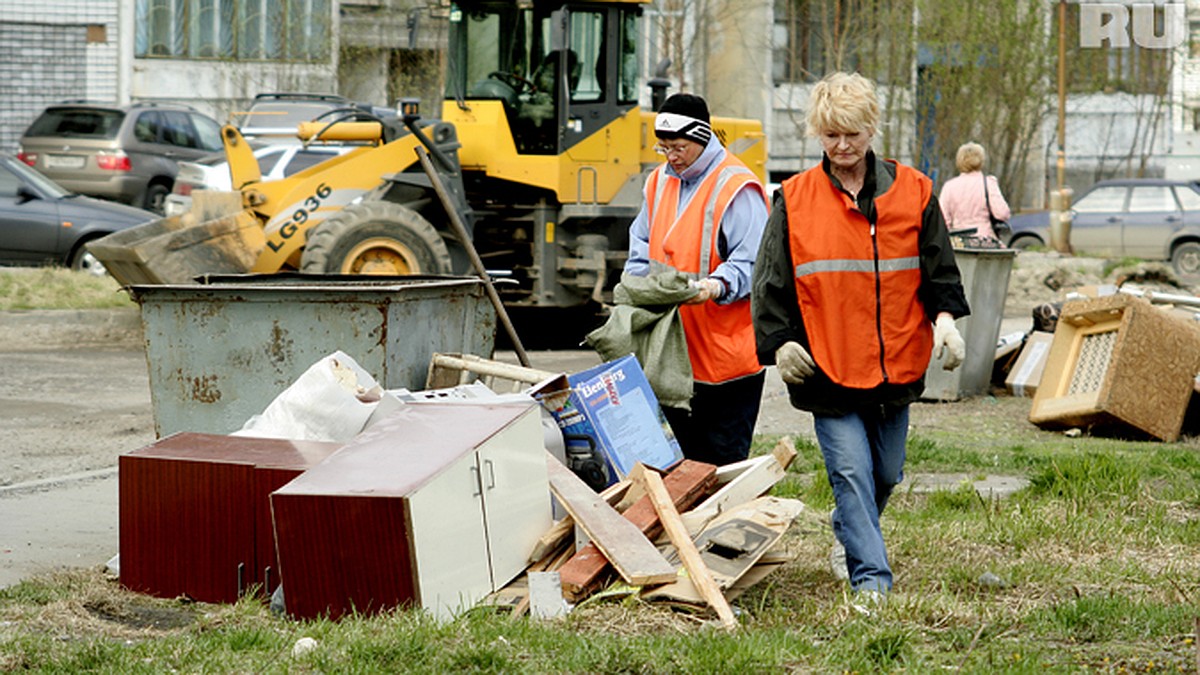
[
  {"x": 867, "y": 602},
  {"x": 837, "y": 561}
]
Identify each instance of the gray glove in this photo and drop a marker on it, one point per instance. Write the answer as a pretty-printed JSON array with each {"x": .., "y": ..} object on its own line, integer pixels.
[
  {"x": 794, "y": 363},
  {"x": 946, "y": 337}
]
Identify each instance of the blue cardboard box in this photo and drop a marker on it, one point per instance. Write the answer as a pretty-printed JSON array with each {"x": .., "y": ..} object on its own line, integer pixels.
[{"x": 613, "y": 406}]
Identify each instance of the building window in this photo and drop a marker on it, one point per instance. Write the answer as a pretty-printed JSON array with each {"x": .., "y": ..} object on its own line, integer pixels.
[
  {"x": 813, "y": 37},
  {"x": 275, "y": 30}
]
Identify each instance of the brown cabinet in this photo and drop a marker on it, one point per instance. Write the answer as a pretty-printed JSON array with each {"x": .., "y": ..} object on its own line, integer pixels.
[
  {"x": 435, "y": 506},
  {"x": 195, "y": 514}
]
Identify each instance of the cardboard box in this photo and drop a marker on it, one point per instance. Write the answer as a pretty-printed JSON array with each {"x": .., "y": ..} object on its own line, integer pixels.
[
  {"x": 1118, "y": 361},
  {"x": 1026, "y": 373},
  {"x": 613, "y": 406}
]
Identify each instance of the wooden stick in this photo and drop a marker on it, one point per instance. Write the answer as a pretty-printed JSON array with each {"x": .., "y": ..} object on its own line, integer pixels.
[{"x": 700, "y": 575}]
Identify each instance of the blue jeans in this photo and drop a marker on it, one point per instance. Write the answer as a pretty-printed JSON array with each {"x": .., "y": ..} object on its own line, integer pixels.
[{"x": 864, "y": 460}]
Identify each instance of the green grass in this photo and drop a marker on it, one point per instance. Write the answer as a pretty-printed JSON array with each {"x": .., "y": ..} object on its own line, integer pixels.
[
  {"x": 58, "y": 288},
  {"x": 1094, "y": 567}
]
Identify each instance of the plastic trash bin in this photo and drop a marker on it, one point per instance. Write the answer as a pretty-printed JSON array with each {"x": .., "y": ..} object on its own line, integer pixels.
[
  {"x": 219, "y": 352},
  {"x": 985, "y": 273}
]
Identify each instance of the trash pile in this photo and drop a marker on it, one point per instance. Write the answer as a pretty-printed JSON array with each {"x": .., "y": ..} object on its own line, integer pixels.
[
  {"x": 1110, "y": 358},
  {"x": 524, "y": 490}
]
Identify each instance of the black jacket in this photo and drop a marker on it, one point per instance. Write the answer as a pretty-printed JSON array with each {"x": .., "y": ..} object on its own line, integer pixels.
[{"x": 776, "y": 310}]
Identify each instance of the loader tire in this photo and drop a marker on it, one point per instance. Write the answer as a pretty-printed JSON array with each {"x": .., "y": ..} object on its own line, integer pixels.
[{"x": 379, "y": 238}]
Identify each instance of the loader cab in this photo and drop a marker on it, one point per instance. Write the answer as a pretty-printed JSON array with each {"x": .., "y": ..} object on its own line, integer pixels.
[{"x": 561, "y": 72}]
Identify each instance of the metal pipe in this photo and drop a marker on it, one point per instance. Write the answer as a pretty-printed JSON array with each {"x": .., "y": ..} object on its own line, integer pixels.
[{"x": 460, "y": 231}]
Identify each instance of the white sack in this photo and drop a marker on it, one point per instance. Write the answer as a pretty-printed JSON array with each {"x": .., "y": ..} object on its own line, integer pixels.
[{"x": 331, "y": 401}]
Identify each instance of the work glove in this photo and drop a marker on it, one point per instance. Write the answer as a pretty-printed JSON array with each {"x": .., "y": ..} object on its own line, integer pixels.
[
  {"x": 946, "y": 337},
  {"x": 709, "y": 288},
  {"x": 794, "y": 364}
]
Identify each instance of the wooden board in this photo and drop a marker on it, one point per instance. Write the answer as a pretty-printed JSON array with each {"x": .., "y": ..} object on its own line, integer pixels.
[
  {"x": 558, "y": 533},
  {"x": 698, "y": 573},
  {"x": 623, "y": 544},
  {"x": 686, "y": 484},
  {"x": 757, "y": 475}
]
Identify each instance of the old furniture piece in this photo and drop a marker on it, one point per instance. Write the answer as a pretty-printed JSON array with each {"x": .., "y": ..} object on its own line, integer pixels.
[
  {"x": 1118, "y": 360},
  {"x": 195, "y": 513},
  {"x": 436, "y": 505}
]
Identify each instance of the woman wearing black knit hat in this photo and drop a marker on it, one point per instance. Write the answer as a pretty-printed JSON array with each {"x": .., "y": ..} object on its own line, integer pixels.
[{"x": 702, "y": 215}]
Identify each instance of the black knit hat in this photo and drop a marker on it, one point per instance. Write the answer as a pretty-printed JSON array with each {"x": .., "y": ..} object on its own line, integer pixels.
[{"x": 683, "y": 116}]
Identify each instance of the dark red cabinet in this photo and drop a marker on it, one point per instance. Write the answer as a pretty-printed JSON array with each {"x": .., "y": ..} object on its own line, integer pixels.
[{"x": 195, "y": 513}]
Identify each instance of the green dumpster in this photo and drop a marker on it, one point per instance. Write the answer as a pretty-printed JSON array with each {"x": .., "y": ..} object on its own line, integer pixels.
[{"x": 220, "y": 351}]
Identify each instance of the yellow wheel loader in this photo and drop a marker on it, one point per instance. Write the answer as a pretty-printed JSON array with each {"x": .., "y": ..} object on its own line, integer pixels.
[{"x": 541, "y": 147}]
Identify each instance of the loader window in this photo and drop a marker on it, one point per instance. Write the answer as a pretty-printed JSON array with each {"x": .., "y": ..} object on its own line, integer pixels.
[
  {"x": 627, "y": 59},
  {"x": 587, "y": 41}
]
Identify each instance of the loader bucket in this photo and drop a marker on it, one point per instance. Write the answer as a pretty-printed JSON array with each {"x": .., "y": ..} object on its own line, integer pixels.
[{"x": 215, "y": 237}]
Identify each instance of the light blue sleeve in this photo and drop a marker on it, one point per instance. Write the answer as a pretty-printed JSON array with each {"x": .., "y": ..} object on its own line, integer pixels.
[
  {"x": 741, "y": 229},
  {"x": 638, "y": 263}
]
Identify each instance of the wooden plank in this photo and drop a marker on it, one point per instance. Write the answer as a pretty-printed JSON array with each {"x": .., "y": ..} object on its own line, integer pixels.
[
  {"x": 698, "y": 572},
  {"x": 621, "y": 542},
  {"x": 562, "y": 528},
  {"x": 686, "y": 484},
  {"x": 761, "y": 474}
]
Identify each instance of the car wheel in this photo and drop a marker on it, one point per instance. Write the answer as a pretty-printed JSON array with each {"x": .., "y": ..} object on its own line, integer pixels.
[
  {"x": 84, "y": 261},
  {"x": 1026, "y": 241},
  {"x": 156, "y": 198},
  {"x": 1185, "y": 258}
]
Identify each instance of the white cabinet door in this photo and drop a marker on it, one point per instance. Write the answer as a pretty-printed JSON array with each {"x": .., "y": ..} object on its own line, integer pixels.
[
  {"x": 450, "y": 539},
  {"x": 516, "y": 494}
]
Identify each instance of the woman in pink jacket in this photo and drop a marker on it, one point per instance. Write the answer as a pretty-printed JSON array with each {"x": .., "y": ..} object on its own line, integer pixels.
[{"x": 966, "y": 197}]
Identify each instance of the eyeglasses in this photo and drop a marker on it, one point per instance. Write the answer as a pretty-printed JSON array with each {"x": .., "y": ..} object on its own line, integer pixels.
[{"x": 671, "y": 150}]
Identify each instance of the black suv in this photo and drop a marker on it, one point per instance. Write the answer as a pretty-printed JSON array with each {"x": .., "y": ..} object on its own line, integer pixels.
[{"x": 124, "y": 153}]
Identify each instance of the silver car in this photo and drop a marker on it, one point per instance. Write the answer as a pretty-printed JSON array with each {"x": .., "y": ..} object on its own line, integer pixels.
[
  {"x": 128, "y": 154},
  {"x": 1147, "y": 218},
  {"x": 274, "y": 162}
]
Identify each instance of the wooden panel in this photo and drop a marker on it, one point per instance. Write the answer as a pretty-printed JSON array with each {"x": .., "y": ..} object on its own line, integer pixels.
[
  {"x": 186, "y": 527},
  {"x": 343, "y": 554}
]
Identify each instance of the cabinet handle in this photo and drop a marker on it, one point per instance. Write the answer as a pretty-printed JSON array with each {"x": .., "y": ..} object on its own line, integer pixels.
[
  {"x": 491, "y": 468},
  {"x": 476, "y": 484}
]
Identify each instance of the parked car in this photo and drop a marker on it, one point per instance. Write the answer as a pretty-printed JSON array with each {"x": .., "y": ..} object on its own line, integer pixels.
[
  {"x": 1147, "y": 218},
  {"x": 274, "y": 161},
  {"x": 43, "y": 224},
  {"x": 273, "y": 117},
  {"x": 128, "y": 154}
]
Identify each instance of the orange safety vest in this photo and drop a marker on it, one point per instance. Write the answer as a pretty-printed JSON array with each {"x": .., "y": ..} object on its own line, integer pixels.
[
  {"x": 720, "y": 338},
  {"x": 856, "y": 283}
]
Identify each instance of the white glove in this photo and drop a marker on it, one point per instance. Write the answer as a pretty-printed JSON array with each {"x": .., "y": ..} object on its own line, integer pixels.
[
  {"x": 794, "y": 363},
  {"x": 946, "y": 336},
  {"x": 710, "y": 288}
]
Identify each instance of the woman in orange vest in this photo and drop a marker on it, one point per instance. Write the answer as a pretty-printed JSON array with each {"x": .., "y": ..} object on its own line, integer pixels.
[
  {"x": 855, "y": 287},
  {"x": 703, "y": 214}
]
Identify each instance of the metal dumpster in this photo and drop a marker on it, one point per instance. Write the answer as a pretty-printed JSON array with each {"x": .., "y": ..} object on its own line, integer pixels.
[
  {"x": 220, "y": 351},
  {"x": 985, "y": 273}
]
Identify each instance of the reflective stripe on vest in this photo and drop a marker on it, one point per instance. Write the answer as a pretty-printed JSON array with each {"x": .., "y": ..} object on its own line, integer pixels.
[
  {"x": 857, "y": 285},
  {"x": 720, "y": 337}
]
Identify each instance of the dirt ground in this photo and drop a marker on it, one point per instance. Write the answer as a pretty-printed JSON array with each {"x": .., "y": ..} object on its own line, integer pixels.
[{"x": 74, "y": 396}]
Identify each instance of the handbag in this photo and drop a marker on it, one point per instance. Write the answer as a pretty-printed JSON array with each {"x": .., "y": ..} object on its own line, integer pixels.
[{"x": 1000, "y": 227}]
